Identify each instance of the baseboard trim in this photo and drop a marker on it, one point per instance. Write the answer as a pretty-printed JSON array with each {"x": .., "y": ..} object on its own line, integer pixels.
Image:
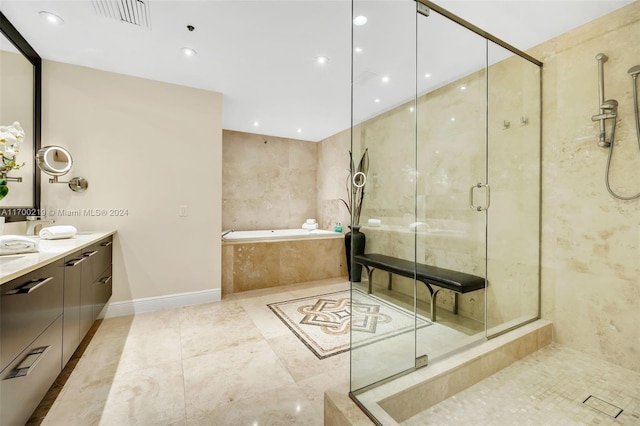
[{"x": 151, "y": 304}]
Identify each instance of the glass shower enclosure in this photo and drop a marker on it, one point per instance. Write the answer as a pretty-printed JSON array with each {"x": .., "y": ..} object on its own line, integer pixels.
[{"x": 450, "y": 119}]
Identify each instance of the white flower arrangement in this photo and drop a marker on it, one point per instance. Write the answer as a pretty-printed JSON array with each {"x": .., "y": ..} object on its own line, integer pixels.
[{"x": 10, "y": 139}]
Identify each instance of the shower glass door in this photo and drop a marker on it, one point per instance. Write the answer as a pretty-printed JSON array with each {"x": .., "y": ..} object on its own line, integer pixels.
[
  {"x": 383, "y": 93},
  {"x": 453, "y": 193}
]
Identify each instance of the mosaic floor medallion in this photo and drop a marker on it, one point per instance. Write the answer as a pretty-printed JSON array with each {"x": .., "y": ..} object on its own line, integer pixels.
[{"x": 323, "y": 322}]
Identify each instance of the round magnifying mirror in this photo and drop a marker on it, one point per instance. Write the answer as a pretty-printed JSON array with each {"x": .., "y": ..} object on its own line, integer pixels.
[{"x": 54, "y": 160}]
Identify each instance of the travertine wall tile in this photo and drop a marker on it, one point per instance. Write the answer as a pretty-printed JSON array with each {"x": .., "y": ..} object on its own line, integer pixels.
[
  {"x": 267, "y": 182},
  {"x": 591, "y": 241}
]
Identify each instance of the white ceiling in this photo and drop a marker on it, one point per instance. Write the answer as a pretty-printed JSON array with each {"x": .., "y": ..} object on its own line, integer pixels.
[{"x": 261, "y": 54}]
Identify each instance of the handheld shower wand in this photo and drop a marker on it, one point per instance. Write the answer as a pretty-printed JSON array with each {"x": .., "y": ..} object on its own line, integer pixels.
[
  {"x": 610, "y": 107},
  {"x": 633, "y": 72}
]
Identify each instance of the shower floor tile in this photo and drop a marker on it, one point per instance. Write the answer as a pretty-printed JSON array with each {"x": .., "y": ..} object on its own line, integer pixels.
[{"x": 549, "y": 387}]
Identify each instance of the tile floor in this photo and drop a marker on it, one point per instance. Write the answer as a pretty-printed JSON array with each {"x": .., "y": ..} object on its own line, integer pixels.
[
  {"x": 546, "y": 388},
  {"x": 235, "y": 363},
  {"x": 227, "y": 363}
]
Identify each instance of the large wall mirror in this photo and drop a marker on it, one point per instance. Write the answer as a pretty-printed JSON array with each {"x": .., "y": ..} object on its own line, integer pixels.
[{"x": 20, "y": 93}]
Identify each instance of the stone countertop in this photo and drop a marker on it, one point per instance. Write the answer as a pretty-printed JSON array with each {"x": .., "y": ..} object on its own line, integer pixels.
[{"x": 15, "y": 265}]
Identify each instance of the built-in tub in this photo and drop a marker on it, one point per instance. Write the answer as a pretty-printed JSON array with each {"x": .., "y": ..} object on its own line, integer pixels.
[
  {"x": 278, "y": 234},
  {"x": 269, "y": 258}
]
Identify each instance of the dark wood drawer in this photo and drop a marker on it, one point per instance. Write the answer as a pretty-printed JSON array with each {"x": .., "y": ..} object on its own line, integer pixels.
[
  {"x": 71, "y": 319},
  {"x": 102, "y": 289},
  {"x": 99, "y": 259},
  {"x": 29, "y": 305},
  {"x": 26, "y": 380}
]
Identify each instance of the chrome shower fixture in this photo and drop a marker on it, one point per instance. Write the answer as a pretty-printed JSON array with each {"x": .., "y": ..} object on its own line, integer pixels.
[{"x": 608, "y": 109}]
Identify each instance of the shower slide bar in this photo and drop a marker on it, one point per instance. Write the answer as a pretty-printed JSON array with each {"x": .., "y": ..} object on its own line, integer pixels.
[{"x": 609, "y": 111}]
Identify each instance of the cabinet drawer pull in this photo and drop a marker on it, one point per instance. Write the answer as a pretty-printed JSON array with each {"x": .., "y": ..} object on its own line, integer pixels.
[
  {"x": 29, "y": 287},
  {"x": 89, "y": 253},
  {"x": 106, "y": 280},
  {"x": 74, "y": 262},
  {"x": 28, "y": 363},
  {"x": 106, "y": 244}
]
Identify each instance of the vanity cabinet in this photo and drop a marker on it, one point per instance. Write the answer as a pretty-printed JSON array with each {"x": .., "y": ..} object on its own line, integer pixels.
[
  {"x": 31, "y": 334},
  {"x": 28, "y": 378},
  {"x": 30, "y": 304},
  {"x": 44, "y": 315},
  {"x": 96, "y": 282}
]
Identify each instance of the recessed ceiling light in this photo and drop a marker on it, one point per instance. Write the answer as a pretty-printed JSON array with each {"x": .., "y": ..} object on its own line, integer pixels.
[
  {"x": 453, "y": 119},
  {"x": 299, "y": 130},
  {"x": 321, "y": 60},
  {"x": 256, "y": 124},
  {"x": 187, "y": 51},
  {"x": 463, "y": 87},
  {"x": 376, "y": 100},
  {"x": 385, "y": 79},
  {"x": 411, "y": 109},
  {"x": 427, "y": 75},
  {"x": 358, "y": 49},
  {"x": 359, "y": 21},
  {"x": 51, "y": 18}
]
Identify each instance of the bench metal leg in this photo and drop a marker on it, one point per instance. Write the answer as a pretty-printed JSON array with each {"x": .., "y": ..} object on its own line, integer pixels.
[
  {"x": 369, "y": 277},
  {"x": 434, "y": 298},
  {"x": 455, "y": 303},
  {"x": 434, "y": 295},
  {"x": 389, "y": 283}
]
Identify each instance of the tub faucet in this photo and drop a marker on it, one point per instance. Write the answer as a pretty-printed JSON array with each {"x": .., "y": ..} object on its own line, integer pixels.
[{"x": 34, "y": 224}]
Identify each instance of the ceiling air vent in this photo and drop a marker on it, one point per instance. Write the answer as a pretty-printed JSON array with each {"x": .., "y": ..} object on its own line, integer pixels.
[{"x": 134, "y": 12}]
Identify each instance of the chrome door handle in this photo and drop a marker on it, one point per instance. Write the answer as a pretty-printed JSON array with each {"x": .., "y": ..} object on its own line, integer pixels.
[
  {"x": 487, "y": 199},
  {"x": 29, "y": 287},
  {"x": 106, "y": 244},
  {"x": 106, "y": 280},
  {"x": 89, "y": 253}
]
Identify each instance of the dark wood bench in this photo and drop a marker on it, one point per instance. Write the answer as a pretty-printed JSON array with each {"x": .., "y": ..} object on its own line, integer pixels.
[{"x": 458, "y": 282}]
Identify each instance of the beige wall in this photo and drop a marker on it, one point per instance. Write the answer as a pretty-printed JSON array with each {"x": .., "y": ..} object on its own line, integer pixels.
[
  {"x": 591, "y": 241},
  {"x": 268, "y": 182},
  {"x": 147, "y": 147},
  {"x": 333, "y": 170}
]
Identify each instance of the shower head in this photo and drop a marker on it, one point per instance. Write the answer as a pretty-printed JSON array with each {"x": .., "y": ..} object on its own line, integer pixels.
[
  {"x": 602, "y": 57},
  {"x": 634, "y": 71}
]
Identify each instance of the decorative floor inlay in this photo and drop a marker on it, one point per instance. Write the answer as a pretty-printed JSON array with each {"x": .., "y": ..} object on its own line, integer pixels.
[{"x": 322, "y": 322}]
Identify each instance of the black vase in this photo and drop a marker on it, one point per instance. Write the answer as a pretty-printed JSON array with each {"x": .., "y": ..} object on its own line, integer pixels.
[{"x": 354, "y": 242}]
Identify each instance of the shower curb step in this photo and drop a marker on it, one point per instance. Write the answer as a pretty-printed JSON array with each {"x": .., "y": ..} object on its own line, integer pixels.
[
  {"x": 402, "y": 398},
  {"x": 340, "y": 410}
]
